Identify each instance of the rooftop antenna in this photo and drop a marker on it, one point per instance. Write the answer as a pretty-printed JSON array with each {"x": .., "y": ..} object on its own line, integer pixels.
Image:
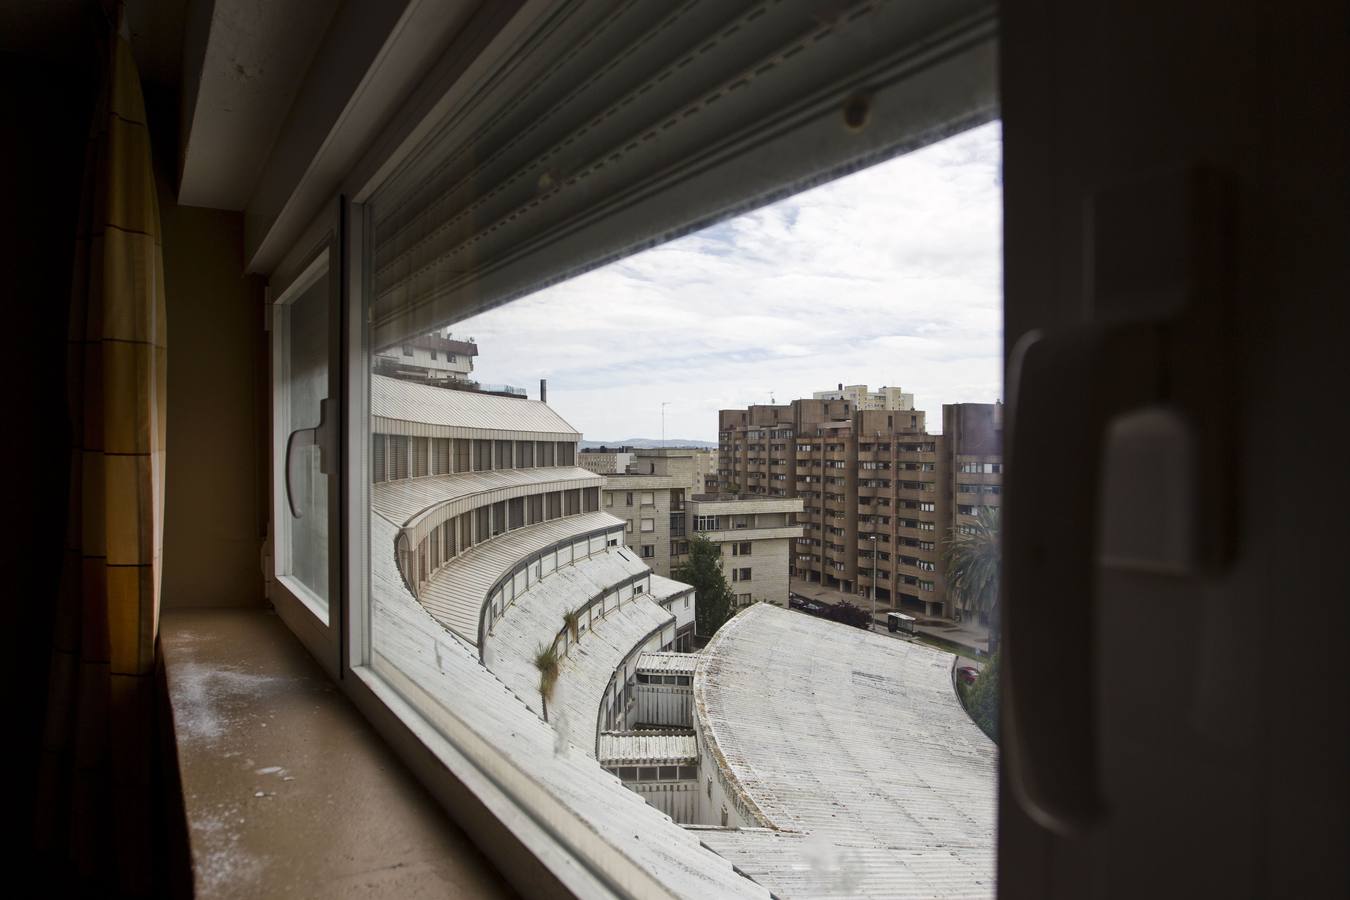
[{"x": 664, "y": 404}]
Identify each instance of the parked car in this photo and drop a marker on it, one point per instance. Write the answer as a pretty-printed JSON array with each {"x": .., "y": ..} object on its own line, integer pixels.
[{"x": 967, "y": 674}]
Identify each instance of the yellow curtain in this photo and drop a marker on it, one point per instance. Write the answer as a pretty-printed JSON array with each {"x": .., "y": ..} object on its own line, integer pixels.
[{"x": 96, "y": 769}]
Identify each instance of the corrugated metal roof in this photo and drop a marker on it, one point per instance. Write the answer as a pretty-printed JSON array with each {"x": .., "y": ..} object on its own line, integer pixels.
[
  {"x": 456, "y": 593},
  {"x": 632, "y": 748},
  {"x": 401, "y": 501},
  {"x": 668, "y": 663},
  {"x": 448, "y": 669},
  {"x": 664, "y": 588},
  {"x": 856, "y": 740},
  {"x": 536, "y": 617},
  {"x": 462, "y": 413}
]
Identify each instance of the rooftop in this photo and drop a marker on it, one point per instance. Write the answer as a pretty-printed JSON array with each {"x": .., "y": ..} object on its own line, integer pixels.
[
  {"x": 631, "y": 748},
  {"x": 569, "y": 783},
  {"x": 536, "y": 617},
  {"x": 455, "y": 594},
  {"x": 668, "y": 663},
  {"x": 432, "y": 411},
  {"x": 884, "y": 769}
]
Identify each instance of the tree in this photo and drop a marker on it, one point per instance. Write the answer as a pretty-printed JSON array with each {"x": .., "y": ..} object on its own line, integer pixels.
[
  {"x": 973, "y": 563},
  {"x": 982, "y": 699},
  {"x": 703, "y": 570}
]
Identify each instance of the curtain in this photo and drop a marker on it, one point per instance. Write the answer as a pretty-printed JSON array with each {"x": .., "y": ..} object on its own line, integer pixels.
[{"x": 96, "y": 772}]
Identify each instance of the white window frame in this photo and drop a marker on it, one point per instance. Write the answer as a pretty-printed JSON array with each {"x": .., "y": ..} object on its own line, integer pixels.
[{"x": 448, "y": 758}]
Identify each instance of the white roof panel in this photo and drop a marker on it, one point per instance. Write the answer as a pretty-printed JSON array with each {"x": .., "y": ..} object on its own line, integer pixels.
[
  {"x": 882, "y": 766},
  {"x": 668, "y": 662},
  {"x": 456, "y": 593},
  {"x": 635, "y": 748},
  {"x": 465, "y": 412}
]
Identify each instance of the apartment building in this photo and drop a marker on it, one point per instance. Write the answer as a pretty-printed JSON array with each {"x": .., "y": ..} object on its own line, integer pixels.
[
  {"x": 880, "y": 494},
  {"x": 891, "y": 398},
  {"x": 690, "y": 464}
]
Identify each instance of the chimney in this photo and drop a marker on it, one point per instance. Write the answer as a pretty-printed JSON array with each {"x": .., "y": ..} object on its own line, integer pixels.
[{"x": 543, "y": 390}]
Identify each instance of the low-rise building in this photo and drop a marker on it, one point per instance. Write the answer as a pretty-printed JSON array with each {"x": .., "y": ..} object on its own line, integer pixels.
[{"x": 755, "y": 537}]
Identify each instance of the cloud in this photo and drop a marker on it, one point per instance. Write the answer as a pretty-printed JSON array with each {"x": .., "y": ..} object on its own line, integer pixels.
[{"x": 889, "y": 276}]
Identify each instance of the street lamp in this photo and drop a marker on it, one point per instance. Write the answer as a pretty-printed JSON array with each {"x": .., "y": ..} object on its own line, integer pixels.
[{"x": 872, "y": 622}]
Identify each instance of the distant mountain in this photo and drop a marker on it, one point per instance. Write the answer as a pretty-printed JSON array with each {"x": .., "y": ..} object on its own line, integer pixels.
[{"x": 650, "y": 443}]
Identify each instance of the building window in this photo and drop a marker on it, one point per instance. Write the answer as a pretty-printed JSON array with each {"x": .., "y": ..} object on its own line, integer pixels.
[
  {"x": 648, "y": 551},
  {"x": 628, "y": 525},
  {"x": 648, "y": 498},
  {"x": 648, "y": 524},
  {"x": 609, "y": 499},
  {"x": 407, "y": 349},
  {"x": 740, "y": 574},
  {"x": 628, "y": 499}
]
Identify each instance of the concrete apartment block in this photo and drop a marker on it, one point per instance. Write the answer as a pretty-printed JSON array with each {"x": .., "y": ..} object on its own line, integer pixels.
[{"x": 880, "y": 494}]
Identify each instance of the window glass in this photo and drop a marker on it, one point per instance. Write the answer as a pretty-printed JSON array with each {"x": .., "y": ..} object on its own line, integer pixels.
[{"x": 505, "y": 597}]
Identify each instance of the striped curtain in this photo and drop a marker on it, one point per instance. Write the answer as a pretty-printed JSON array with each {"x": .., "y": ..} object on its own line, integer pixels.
[{"x": 96, "y": 769}]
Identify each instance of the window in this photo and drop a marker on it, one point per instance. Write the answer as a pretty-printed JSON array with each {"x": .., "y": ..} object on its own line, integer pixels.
[
  {"x": 407, "y": 349},
  {"x": 447, "y": 237}
]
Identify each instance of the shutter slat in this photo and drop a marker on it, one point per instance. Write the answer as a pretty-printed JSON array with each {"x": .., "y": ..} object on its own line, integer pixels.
[{"x": 618, "y": 125}]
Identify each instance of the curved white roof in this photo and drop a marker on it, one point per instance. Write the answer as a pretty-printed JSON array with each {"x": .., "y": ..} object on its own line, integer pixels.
[
  {"x": 448, "y": 670},
  {"x": 404, "y": 499},
  {"x": 869, "y": 776},
  {"x": 536, "y": 617},
  {"x": 455, "y": 594}
]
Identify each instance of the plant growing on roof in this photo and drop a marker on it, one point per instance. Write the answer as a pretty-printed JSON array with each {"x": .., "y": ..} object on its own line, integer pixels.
[
  {"x": 546, "y": 661},
  {"x": 572, "y": 619}
]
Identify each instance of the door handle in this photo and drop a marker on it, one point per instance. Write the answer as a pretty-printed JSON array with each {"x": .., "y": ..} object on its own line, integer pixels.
[
  {"x": 1158, "y": 280},
  {"x": 1066, "y": 388},
  {"x": 321, "y": 436}
]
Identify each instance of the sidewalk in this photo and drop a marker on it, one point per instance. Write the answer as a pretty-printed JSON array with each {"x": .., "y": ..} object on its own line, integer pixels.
[{"x": 968, "y": 634}]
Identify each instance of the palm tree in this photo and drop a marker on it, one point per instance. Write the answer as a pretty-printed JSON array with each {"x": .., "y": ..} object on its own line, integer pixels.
[{"x": 973, "y": 563}]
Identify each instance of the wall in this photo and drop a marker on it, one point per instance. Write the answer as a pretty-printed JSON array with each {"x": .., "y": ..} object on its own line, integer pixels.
[{"x": 216, "y": 481}]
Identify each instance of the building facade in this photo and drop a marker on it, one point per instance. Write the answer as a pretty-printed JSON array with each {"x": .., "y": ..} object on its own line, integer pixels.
[
  {"x": 753, "y": 534},
  {"x": 605, "y": 460},
  {"x": 880, "y": 494}
]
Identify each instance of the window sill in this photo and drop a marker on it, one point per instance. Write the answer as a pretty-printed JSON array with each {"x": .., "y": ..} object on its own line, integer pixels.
[{"x": 287, "y": 789}]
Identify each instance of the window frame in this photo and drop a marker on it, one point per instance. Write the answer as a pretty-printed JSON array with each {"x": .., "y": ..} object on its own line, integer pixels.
[{"x": 430, "y": 741}]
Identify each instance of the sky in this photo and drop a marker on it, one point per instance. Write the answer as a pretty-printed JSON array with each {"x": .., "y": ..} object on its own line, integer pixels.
[{"x": 889, "y": 276}]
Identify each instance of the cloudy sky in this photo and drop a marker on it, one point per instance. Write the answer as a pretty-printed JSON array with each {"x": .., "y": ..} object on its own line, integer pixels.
[{"x": 890, "y": 276}]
